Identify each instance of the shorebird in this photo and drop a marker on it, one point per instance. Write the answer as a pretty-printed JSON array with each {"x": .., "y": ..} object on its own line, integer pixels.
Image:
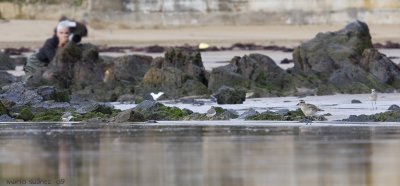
[
  {"x": 373, "y": 97},
  {"x": 211, "y": 112},
  {"x": 156, "y": 96},
  {"x": 308, "y": 110},
  {"x": 67, "y": 116}
]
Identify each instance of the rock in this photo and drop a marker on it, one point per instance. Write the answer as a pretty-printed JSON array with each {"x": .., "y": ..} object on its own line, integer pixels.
[
  {"x": 180, "y": 73},
  {"x": 46, "y": 92},
  {"x": 283, "y": 111},
  {"x": 7, "y": 78},
  {"x": 6, "y": 118},
  {"x": 17, "y": 94},
  {"x": 52, "y": 93},
  {"x": 355, "y": 101},
  {"x": 3, "y": 109},
  {"x": 389, "y": 116},
  {"x": 130, "y": 98},
  {"x": 6, "y": 63},
  {"x": 228, "y": 95},
  {"x": 26, "y": 114},
  {"x": 129, "y": 116},
  {"x": 156, "y": 111},
  {"x": 381, "y": 67},
  {"x": 394, "y": 107},
  {"x": 231, "y": 114},
  {"x": 254, "y": 71},
  {"x": 344, "y": 62},
  {"x": 249, "y": 113},
  {"x": 131, "y": 68},
  {"x": 268, "y": 115},
  {"x": 87, "y": 107}
]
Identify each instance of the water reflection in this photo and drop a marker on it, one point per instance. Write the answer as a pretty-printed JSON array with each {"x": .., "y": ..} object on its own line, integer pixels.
[{"x": 96, "y": 154}]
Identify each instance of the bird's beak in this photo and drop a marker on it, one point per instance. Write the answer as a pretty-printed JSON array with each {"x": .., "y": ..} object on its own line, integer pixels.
[{"x": 298, "y": 104}]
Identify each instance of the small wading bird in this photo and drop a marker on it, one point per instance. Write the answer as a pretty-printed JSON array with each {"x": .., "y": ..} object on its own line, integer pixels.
[
  {"x": 211, "y": 112},
  {"x": 67, "y": 116},
  {"x": 156, "y": 96},
  {"x": 373, "y": 97},
  {"x": 308, "y": 110}
]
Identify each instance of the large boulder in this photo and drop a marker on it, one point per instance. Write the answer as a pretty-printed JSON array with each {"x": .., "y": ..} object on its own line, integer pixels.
[
  {"x": 255, "y": 71},
  {"x": 131, "y": 68},
  {"x": 228, "y": 95},
  {"x": 180, "y": 73},
  {"x": 344, "y": 62}
]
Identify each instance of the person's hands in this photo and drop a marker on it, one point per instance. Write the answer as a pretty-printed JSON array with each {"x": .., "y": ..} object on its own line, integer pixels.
[
  {"x": 62, "y": 35},
  {"x": 63, "y": 41}
]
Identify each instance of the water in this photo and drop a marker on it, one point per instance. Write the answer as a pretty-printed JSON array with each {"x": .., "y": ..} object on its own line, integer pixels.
[{"x": 200, "y": 153}]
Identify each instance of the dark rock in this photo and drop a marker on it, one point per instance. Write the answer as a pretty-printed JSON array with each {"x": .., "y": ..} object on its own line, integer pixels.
[
  {"x": 267, "y": 115},
  {"x": 180, "y": 73},
  {"x": 389, "y": 116},
  {"x": 6, "y": 118},
  {"x": 344, "y": 62},
  {"x": 3, "y": 109},
  {"x": 7, "y": 78},
  {"x": 355, "y": 101},
  {"x": 254, "y": 71},
  {"x": 19, "y": 60},
  {"x": 286, "y": 61},
  {"x": 130, "y": 98},
  {"x": 6, "y": 63},
  {"x": 129, "y": 116},
  {"x": 228, "y": 95},
  {"x": 131, "y": 68},
  {"x": 231, "y": 114},
  {"x": 26, "y": 114},
  {"x": 52, "y": 93},
  {"x": 94, "y": 107},
  {"x": 46, "y": 92},
  {"x": 283, "y": 111},
  {"x": 250, "y": 112},
  {"x": 394, "y": 107},
  {"x": 156, "y": 111},
  {"x": 19, "y": 95},
  {"x": 381, "y": 67}
]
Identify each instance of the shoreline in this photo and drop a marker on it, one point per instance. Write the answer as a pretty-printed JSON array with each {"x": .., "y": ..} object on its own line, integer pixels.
[{"x": 33, "y": 33}]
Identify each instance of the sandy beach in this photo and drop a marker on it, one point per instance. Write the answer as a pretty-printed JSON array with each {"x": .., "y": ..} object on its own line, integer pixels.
[{"x": 32, "y": 33}]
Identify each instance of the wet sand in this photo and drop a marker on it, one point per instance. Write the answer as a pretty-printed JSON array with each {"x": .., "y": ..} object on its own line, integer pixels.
[{"x": 32, "y": 33}]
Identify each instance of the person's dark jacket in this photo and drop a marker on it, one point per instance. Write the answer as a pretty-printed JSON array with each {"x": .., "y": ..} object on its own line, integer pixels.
[{"x": 49, "y": 49}]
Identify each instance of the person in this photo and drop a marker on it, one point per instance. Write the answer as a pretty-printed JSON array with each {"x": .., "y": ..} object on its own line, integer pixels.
[{"x": 46, "y": 54}]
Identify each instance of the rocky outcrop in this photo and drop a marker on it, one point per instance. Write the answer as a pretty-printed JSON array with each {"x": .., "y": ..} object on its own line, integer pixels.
[
  {"x": 344, "y": 62},
  {"x": 180, "y": 73},
  {"x": 80, "y": 69},
  {"x": 255, "y": 72}
]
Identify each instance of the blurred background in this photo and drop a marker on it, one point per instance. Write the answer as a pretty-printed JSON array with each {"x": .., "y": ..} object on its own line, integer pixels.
[{"x": 170, "y": 13}]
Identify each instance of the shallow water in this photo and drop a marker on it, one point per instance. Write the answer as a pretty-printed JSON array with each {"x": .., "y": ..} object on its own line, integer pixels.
[{"x": 201, "y": 153}]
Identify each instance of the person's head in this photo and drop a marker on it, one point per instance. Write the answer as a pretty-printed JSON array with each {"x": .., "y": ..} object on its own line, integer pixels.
[{"x": 63, "y": 31}]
